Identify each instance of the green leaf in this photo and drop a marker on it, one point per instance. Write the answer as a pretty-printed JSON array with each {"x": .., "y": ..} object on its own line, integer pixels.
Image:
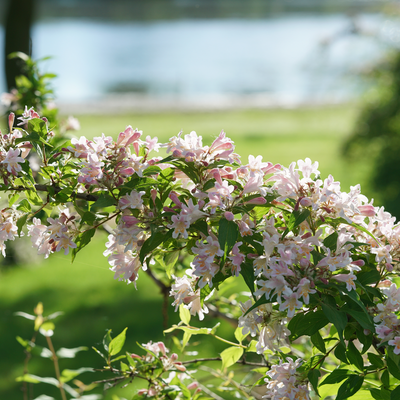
[
  {"x": 251, "y": 347},
  {"x": 336, "y": 376},
  {"x": 331, "y": 241},
  {"x": 192, "y": 330},
  {"x": 33, "y": 197},
  {"x": 227, "y": 235},
  {"x": 296, "y": 218},
  {"x": 201, "y": 226},
  {"x": 247, "y": 271},
  {"x": 354, "y": 356},
  {"x": 381, "y": 394},
  {"x": 385, "y": 378},
  {"x": 82, "y": 240},
  {"x": 88, "y": 218},
  {"x": 104, "y": 200},
  {"x": 375, "y": 360},
  {"x": 395, "y": 395},
  {"x": 117, "y": 343},
  {"x": 185, "y": 339},
  {"x": 368, "y": 277},
  {"x": 313, "y": 377},
  {"x": 262, "y": 300},
  {"x": 21, "y": 223},
  {"x": 169, "y": 261},
  {"x": 68, "y": 374},
  {"x": 153, "y": 242},
  {"x": 24, "y": 206},
  {"x": 239, "y": 334},
  {"x": 350, "y": 387},
  {"x": 230, "y": 356},
  {"x": 307, "y": 324},
  {"x": 318, "y": 342},
  {"x": 12, "y": 198},
  {"x": 184, "y": 314},
  {"x": 340, "y": 353},
  {"x": 36, "y": 379},
  {"x": 393, "y": 368},
  {"x": 107, "y": 340},
  {"x": 69, "y": 353},
  {"x": 335, "y": 316}
]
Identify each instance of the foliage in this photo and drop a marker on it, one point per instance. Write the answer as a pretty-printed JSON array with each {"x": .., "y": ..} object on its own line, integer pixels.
[
  {"x": 377, "y": 132},
  {"x": 319, "y": 263}
]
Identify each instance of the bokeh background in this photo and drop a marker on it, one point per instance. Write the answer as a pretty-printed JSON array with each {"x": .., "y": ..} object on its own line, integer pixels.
[{"x": 284, "y": 79}]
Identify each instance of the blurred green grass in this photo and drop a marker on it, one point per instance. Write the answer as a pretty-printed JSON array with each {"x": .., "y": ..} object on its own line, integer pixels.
[{"x": 85, "y": 290}]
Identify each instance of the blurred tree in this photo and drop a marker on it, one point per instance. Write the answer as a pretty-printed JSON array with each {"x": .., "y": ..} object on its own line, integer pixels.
[
  {"x": 377, "y": 133},
  {"x": 19, "y": 17}
]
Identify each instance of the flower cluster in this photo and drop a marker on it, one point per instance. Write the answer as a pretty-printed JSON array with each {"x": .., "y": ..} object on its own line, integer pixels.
[
  {"x": 283, "y": 382},
  {"x": 298, "y": 241}
]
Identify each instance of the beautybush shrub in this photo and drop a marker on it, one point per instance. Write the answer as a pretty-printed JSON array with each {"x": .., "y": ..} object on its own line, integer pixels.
[{"x": 320, "y": 264}]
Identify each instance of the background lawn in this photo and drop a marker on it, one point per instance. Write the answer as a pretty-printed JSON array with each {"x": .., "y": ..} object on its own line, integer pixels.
[{"x": 85, "y": 290}]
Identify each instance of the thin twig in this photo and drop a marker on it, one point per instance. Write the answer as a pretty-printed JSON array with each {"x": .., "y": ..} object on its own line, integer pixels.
[
  {"x": 56, "y": 367},
  {"x": 57, "y": 189},
  {"x": 242, "y": 361}
]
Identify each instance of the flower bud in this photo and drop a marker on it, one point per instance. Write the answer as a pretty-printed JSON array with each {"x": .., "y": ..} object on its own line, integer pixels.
[
  {"x": 305, "y": 202},
  {"x": 193, "y": 385},
  {"x": 11, "y": 119},
  {"x": 229, "y": 216}
]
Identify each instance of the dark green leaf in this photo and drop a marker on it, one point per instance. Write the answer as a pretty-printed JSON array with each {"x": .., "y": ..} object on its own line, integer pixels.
[
  {"x": 331, "y": 241},
  {"x": 201, "y": 226},
  {"x": 247, "y": 271},
  {"x": 385, "y": 378},
  {"x": 368, "y": 277},
  {"x": 313, "y": 377},
  {"x": 393, "y": 368},
  {"x": 227, "y": 235},
  {"x": 381, "y": 394},
  {"x": 340, "y": 353},
  {"x": 354, "y": 356},
  {"x": 375, "y": 360},
  {"x": 307, "y": 324},
  {"x": 312, "y": 363},
  {"x": 335, "y": 316},
  {"x": 259, "y": 302},
  {"x": 296, "y": 218},
  {"x": 395, "y": 395},
  {"x": 103, "y": 201},
  {"x": 350, "y": 387},
  {"x": 318, "y": 342},
  {"x": 153, "y": 242},
  {"x": 336, "y": 376},
  {"x": 88, "y": 218}
]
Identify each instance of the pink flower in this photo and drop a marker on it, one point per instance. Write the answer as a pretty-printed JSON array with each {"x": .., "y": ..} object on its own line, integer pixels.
[
  {"x": 237, "y": 259},
  {"x": 291, "y": 303},
  {"x": 12, "y": 161},
  {"x": 348, "y": 278},
  {"x": 396, "y": 343},
  {"x": 28, "y": 115},
  {"x": 180, "y": 223},
  {"x": 132, "y": 200},
  {"x": 128, "y": 136},
  {"x": 303, "y": 289}
]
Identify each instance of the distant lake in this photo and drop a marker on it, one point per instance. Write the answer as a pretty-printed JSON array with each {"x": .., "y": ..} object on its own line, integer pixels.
[{"x": 281, "y": 56}]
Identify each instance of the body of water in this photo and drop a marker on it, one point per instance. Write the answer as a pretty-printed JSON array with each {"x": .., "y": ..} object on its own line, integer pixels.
[{"x": 299, "y": 57}]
